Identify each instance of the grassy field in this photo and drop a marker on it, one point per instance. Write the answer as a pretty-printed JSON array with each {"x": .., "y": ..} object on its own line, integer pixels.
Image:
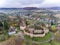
[
  {"x": 54, "y": 42},
  {"x": 39, "y": 39}
]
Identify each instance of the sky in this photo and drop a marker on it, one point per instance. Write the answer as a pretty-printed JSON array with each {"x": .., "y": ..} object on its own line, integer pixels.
[{"x": 29, "y": 3}]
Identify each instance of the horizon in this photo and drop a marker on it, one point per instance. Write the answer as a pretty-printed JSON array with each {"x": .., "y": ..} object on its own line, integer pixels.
[{"x": 30, "y": 7}]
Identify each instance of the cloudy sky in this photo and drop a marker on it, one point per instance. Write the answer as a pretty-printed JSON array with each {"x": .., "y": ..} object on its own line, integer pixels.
[{"x": 29, "y": 3}]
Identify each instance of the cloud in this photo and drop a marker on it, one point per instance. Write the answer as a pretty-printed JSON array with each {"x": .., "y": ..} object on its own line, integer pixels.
[
  {"x": 19, "y": 3},
  {"x": 29, "y": 3},
  {"x": 50, "y": 3}
]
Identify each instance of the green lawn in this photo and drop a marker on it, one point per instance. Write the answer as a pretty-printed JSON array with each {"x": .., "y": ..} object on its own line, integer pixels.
[
  {"x": 39, "y": 39},
  {"x": 45, "y": 44},
  {"x": 54, "y": 42}
]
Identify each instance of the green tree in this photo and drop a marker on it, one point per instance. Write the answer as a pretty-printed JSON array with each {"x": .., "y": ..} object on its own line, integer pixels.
[
  {"x": 1, "y": 25},
  {"x": 6, "y": 25},
  {"x": 27, "y": 23}
]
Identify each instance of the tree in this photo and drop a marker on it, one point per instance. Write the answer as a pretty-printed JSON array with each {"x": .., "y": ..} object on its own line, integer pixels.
[
  {"x": 6, "y": 25},
  {"x": 27, "y": 23},
  {"x": 1, "y": 25}
]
